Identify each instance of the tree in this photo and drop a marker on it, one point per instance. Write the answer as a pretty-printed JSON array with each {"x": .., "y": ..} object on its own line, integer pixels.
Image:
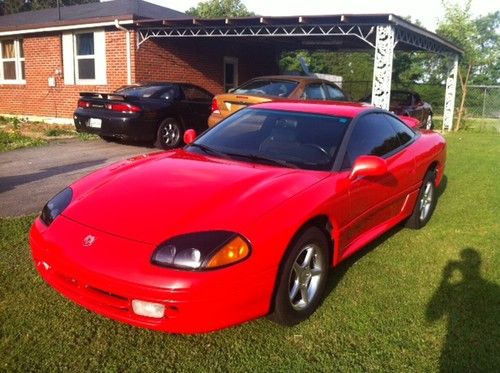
[
  {"x": 17, "y": 6},
  {"x": 487, "y": 70},
  {"x": 459, "y": 27},
  {"x": 220, "y": 8}
]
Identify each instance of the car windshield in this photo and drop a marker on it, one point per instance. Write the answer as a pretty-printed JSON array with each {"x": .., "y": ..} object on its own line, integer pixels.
[
  {"x": 140, "y": 91},
  {"x": 277, "y": 88},
  {"x": 275, "y": 137}
]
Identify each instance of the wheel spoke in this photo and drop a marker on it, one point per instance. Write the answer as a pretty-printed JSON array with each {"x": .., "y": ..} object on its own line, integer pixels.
[
  {"x": 304, "y": 294},
  {"x": 427, "y": 190},
  {"x": 316, "y": 271},
  {"x": 295, "y": 289},
  {"x": 297, "y": 269},
  {"x": 309, "y": 256}
]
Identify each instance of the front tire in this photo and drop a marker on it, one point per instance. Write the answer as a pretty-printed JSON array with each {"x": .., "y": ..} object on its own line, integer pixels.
[
  {"x": 169, "y": 134},
  {"x": 302, "y": 278},
  {"x": 426, "y": 202}
]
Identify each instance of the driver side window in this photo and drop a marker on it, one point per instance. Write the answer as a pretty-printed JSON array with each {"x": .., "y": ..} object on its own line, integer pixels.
[{"x": 372, "y": 135}]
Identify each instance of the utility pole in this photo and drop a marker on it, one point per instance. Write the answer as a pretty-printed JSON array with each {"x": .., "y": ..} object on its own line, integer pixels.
[{"x": 59, "y": 10}]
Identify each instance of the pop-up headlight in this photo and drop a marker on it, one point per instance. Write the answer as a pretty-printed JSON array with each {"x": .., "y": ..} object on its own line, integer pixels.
[
  {"x": 202, "y": 250},
  {"x": 56, "y": 205}
]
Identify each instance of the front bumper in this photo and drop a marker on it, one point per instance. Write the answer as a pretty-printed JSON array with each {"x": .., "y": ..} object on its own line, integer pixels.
[{"x": 195, "y": 302}]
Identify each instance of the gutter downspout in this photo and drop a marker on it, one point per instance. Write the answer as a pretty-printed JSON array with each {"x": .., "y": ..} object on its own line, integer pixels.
[{"x": 127, "y": 40}]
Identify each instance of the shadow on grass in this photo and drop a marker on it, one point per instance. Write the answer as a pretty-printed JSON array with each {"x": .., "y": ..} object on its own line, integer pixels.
[{"x": 471, "y": 306}]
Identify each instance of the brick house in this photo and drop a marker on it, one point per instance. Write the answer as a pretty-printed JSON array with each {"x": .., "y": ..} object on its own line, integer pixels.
[{"x": 47, "y": 58}]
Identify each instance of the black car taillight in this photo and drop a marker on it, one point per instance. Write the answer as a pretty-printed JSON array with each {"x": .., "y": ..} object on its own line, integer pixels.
[
  {"x": 124, "y": 108},
  {"x": 84, "y": 104}
]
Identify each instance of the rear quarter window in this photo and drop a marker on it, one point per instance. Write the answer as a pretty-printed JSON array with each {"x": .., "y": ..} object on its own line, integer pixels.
[{"x": 404, "y": 132}]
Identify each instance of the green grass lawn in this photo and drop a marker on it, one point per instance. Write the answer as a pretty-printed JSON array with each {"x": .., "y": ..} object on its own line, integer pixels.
[
  {"x": 389, "y": 309},
  {"x": 16, "y": 133},
  {"x": 15, "y": 140}
]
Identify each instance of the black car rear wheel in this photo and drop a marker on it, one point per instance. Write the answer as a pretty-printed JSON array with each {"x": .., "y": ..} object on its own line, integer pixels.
[
  {"x": 169, "y": 134},
  {"x": 106, "y": 138}
]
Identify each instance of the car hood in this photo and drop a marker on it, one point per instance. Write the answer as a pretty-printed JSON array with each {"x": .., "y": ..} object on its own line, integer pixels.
[{"x": 153, "y": 197}]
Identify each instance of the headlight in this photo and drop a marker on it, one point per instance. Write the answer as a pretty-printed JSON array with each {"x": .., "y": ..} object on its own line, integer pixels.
[
  {"x": 202, "y": 250},
  {"x": 56, "y": 205}
]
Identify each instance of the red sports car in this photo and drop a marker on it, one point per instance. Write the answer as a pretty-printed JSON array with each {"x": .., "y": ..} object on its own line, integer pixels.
[{"x": 243, "y": 222}]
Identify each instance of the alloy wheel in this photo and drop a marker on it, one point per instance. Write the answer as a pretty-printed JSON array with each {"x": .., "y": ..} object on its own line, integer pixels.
[
  {"x": 305, "y": 277},
  {"x": 170, "y": 134},
  {"x": 426, "y": 201}
]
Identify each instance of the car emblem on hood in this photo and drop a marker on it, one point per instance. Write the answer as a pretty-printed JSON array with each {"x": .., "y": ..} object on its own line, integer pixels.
[{"x": 89, "y": 240}]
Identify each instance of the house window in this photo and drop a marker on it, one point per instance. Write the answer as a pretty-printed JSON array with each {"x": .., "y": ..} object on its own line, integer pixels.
[
  {"x": 84, "y": 58},
  {"x": 12, "y": 61}
]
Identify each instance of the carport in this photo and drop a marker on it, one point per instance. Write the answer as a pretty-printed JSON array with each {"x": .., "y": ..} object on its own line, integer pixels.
[{"x": 383, "y": 33}]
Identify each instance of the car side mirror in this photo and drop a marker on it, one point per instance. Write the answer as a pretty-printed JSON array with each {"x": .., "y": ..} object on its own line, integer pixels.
[
  {"x": 368, "y": 165},
  {"x": 231, "y": 90},
  {"x": 189, "y": 136}
]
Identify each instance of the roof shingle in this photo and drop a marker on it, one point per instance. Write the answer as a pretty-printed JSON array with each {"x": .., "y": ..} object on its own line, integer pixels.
[{"x": 133, "y": 9}]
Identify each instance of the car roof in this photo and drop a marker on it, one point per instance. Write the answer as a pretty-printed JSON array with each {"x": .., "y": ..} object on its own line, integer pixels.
[
  {"x": 149, "y": 84},
  {"x": 296, "y": 78},
  {"x": 334, "y": 108}
]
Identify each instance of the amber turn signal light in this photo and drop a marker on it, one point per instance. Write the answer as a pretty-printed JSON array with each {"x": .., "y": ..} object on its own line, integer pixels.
[{"x": 234, "y": 251}]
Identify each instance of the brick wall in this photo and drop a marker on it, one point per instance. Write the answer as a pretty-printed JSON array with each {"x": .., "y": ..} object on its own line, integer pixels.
[
  {"x": 200, "y": 61},
  {"x": 43, "y": 55},
  {"x": 197, "y": 61}
]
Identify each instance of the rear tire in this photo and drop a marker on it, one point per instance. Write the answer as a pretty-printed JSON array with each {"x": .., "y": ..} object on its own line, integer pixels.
[
  {"x": 429, "y": 124},
  {"x": 106, "y": 138},
  {"x": 302, "y": 278},
  {"x": 426, "y": 202},
  {"x": 169, "y": 134}
]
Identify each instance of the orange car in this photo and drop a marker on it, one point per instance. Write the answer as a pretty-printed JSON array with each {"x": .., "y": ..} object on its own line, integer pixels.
[{"x": 273, "y": 88}]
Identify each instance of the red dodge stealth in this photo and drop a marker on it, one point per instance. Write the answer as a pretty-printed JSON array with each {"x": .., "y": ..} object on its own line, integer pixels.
[{"x": 244, "y": 221}]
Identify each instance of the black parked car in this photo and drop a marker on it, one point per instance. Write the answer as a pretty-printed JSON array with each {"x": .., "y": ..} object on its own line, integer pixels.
[{"x": 158, "y": 112}]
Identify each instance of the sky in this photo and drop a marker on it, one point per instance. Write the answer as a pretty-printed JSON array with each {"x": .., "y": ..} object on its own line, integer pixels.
[{"x": 427, "y": 11}]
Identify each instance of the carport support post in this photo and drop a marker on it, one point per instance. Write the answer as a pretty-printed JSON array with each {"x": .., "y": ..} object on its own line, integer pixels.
[
  {"x": 382, "y": 67},
  {"x": 449, "y": 99}
]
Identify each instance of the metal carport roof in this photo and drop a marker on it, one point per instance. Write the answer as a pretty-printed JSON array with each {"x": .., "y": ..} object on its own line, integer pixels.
[{"x": 347, "y": 32}]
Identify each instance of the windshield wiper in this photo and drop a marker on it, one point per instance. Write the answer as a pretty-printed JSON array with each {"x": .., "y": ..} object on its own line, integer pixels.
[
  {"x": 252, "y": 157},
  {"x": 263, "y": 159},
  {"x": 210, "y": 150}
]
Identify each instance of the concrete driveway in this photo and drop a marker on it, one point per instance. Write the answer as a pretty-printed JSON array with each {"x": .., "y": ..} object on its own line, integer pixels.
[{"x": 30, "y": 177}]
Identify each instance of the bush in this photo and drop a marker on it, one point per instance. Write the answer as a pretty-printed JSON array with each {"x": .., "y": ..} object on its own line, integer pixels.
[{"x": 15, "y": 140}]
